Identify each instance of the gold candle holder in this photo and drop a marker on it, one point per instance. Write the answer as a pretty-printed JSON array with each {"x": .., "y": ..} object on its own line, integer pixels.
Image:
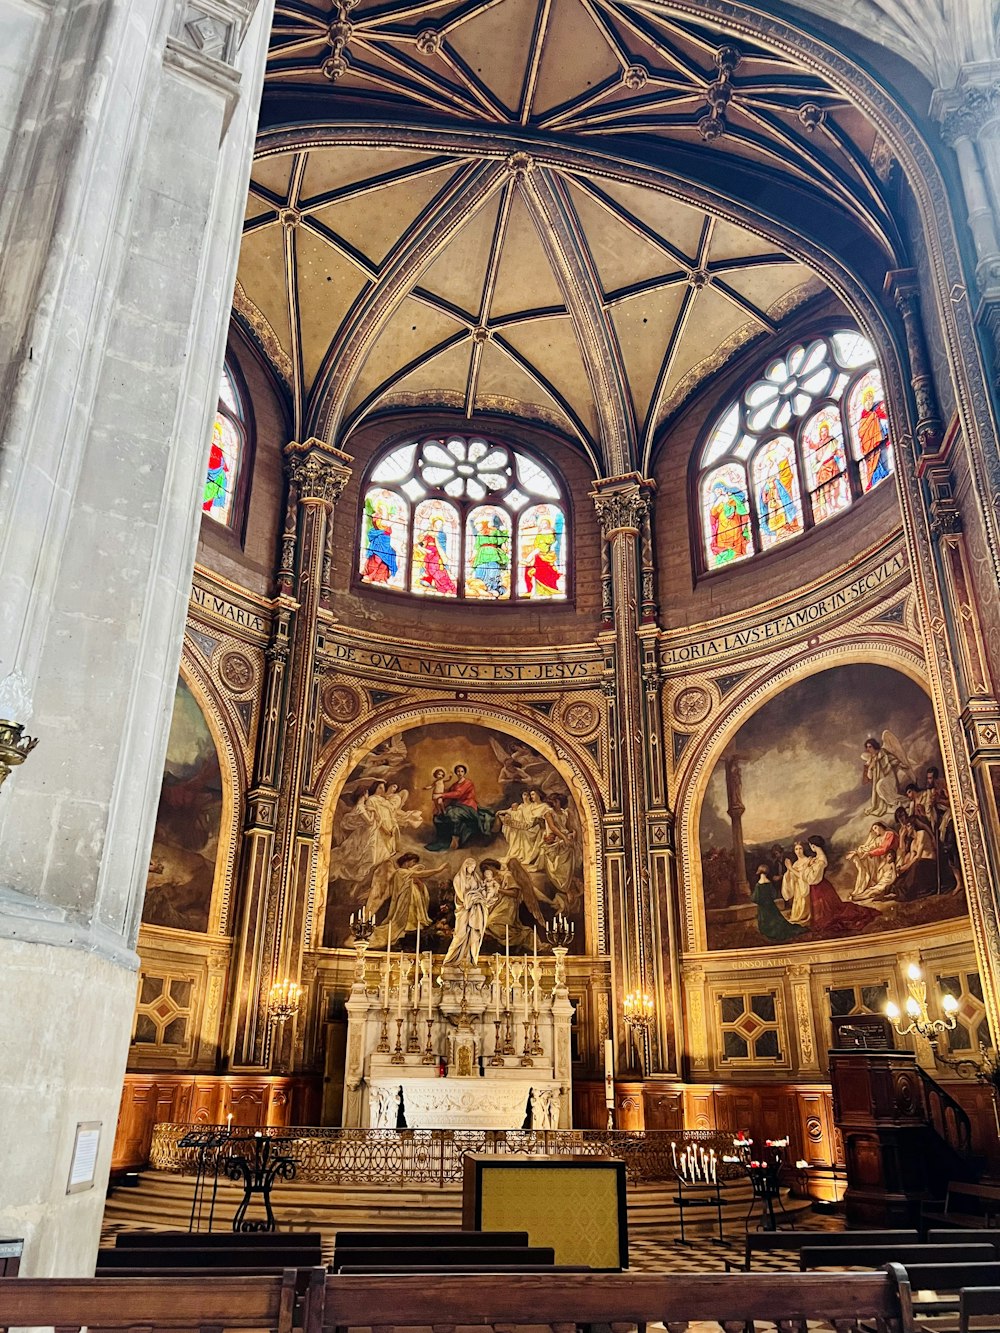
[
  {"x": 383, "y": 1037},
  {"x": 413, "y": 1040},
  {"x": 496, "y": 1059},
  {"x": 429, "y": 1058},
  {"x": 398, "y": 1058},
  {"x": 526, "y": 1061},
  {"x": 536, "y": 1045}
]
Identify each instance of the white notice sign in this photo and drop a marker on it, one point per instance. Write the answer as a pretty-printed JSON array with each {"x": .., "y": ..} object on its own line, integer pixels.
[{"x": 84, "y": 1165}]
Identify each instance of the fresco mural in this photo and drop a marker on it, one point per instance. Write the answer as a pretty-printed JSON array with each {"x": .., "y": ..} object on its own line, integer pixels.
[
  {"x": 182, "y": 862},
  {"x": 827, "y": 816},
  {"x": 423, "y": 805}
]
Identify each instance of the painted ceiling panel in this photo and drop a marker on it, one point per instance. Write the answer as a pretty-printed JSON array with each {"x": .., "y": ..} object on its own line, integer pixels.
[
  {"x": 262, "y": 273},
  {"x": 496, "y": 43},
  {"x": 446, "y": 374},
  {"x": 334, "y": 168},
  {"x": 411, "y": 333},
  {"x": 374, "y": 222},
  {"x": 525, "y": 280},
  {"x": 327, "y": 286},
  {"x": 458, "y": 272},
  {"x": 711, "y": 320},
  {"x": 676, "y": 223},
  {"x": 622, "y": 255},
  {"x": 729, "y": 242},
  {"x": 550, "y": 345},
  {"x": 501, "y": 378},
  {"x": 571, "y": 28},
  {"x": 765, "y": 285},
  {"x": 273, "y": 173},
  {"x": 644, "y": 324}
]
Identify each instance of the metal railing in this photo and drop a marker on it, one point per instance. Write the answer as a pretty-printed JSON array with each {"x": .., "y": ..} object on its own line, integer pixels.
[{"x": 435, "y": 1156}]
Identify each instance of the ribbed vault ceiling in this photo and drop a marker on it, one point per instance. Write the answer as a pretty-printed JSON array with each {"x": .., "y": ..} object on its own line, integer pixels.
[{"x": 390, "y": 268}]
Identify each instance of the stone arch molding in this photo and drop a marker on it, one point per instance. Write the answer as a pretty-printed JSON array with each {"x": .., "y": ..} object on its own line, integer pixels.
[
  {"x": 712, "y": 745},
  {"x": 362, "y": 740}
]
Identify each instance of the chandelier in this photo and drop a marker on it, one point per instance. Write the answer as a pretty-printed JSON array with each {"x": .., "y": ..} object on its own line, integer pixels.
[
  {"x": 915, "y": 1016},
  {"x": 283, "y": 1001}
]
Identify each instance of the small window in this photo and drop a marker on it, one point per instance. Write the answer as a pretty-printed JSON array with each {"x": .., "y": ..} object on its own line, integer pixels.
[
  {"x": 798, "y": 447},
  {"x": 226, "y": 455},
  {"x": 464, "y": 517}
]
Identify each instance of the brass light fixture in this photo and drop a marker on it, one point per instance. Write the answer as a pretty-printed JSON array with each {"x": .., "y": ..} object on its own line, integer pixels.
[
  {"x": 639, "y": 1011},
  {"x": 15, "y": 702},
  {"x": 918, "y": 1014},
  {"x": 283, "y": 1001}
]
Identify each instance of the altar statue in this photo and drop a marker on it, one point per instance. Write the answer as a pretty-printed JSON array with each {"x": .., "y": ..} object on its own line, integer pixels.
[{"x": 472, "y": 904}]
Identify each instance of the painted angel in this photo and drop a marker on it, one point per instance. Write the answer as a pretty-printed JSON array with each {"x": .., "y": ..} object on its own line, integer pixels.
[{"x": 887, "y": 767}]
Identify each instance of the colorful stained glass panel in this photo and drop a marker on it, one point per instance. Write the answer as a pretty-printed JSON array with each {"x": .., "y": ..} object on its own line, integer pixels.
[
  {"x": 826, "y": 463},
  {"x": 223, "y": 468},
  {"x": 868, "y": 426},
  {"x": 436, "y": 540},
  {"x": 487, "y": 553},
  {"x": 542, "y": 552},
  {"x": 776, "y": 491},
  {"x": 726, "y": 516},
  {"x": 385, "y": 539}
]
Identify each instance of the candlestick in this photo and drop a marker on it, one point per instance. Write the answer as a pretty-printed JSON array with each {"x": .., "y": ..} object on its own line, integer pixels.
[
  {"x": 416, "y": 971},
  {"x": 430, "y": 982},
  {"x": 429, "y": 1058},
  {"x": 398, "y": 1058},
  {"x": 229, "y": 1123},
  {"x": 526, "y": 1061},
  {"x": 399, "y": 987},
  {"x": 497, "y": 1057},
  {"x": 385, "y": 981},
  {"x": 383, "y": 1037}
]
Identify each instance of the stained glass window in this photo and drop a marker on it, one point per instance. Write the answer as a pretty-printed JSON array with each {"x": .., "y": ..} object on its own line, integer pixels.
[
  {"x": 464, "y": 516},
  {"x": 225, "y": 457},
  {"x": 800, "y": 444}
]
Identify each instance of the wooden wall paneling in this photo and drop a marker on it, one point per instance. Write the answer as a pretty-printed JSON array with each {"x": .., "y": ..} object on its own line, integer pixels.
[{"x": 628, "y": 1106}]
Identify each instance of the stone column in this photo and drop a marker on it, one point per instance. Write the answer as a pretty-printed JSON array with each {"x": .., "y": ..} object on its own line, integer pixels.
[
  {"x": 622, "y": 506},
  {"x": 282, "y": 827},
  {"x": 736, "y": 810},
  {"x": 127, "y": 132}
]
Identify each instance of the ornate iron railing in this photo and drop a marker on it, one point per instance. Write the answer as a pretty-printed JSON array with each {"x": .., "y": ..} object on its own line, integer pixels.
[{"x": 435, "y": 1156}]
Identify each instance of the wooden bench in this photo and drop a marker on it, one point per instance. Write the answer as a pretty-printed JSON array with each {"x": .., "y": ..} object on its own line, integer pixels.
[
  {"x": 356, "y": 1270},
  {"x": 961, "y": 1235},
  {"x": 425, "y": 1238},
  {"x": 152, "y": 1240},
  {"x": 975, "y": 1302},
  {"x": 873, "y": 1256},
  {"x": 793, "y": 1241},
  {"x": 210, "y": 1305},
  {"x": 212, "y": 1256},
  {"x": 929, "y": 1289},
  {"x": 485, "y": 1257},
  {"x": 987, "y": 1197},
  {"x": 848, "y": 1301}
]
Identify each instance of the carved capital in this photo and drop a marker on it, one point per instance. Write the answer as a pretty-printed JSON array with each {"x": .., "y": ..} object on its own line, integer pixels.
[
  {"x": 318, "y": 471},
  {"x": 622, "y": 503},
  {"x": 964, "y": 110}
]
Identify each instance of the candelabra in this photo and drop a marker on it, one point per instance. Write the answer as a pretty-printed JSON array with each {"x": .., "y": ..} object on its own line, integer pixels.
[
  {"x": 383, "y": 1037},
  {"x": 639, "y": 1012},
  {"x": 362, "y": 926},
  {"x": 283, "y": 1001},
  {"x": 15, "y": 701},
  {"x": 920, "y": 1020}
]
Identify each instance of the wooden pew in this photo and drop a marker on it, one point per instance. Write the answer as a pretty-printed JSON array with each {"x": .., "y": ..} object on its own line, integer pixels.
[
  {"x": 793, "y": 1241},
  {"x": 982, "y": 1200},
  {"x": 845, "y": 1300},
  {"x": 151, "y": 1240},
  {"x": 212, "y": 1256},
  {"x": 929, "y": 1289},
  {"x": 425, "y": 1238},
  {"x": 355, "y": 1270},
  {"x": 873, "y": 1256},
  {"x": 975, "y": 1302},
  {"x": 162, "y": 1304},
  {"x": 485, "y": 1257},
  {"x": 963, "y": 1235}
]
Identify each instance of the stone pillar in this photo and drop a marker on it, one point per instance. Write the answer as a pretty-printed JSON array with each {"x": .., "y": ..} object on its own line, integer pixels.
[
  {"x": 736, "y": 810},
  {"x": 622, "y": 506},
  {"x": 128, "y": 144},
  {"x": 282, "y": 826}
]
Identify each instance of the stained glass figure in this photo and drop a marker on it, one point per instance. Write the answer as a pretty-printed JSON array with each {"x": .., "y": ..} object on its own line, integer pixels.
[
  {"x": 543, "y": 551},
  {"x": 776, "y": 488},
  {"x": 726, "y": 510},
  {"x": 223, "y": 464},
  {"x": 487, "y": 553},
  {"x": 436, "y": 541},
  {"x": 868, "y": 424},
  {"x": 225, "y": 455},
  {"x": 826, "y": 463},
  {"x": 384, "y": 538}
]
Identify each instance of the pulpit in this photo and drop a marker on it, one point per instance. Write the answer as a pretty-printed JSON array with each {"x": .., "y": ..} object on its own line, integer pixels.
[{"x": 499, "y": 1033}]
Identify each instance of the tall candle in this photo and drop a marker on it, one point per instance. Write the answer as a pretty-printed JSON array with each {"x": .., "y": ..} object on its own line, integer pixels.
[
  {"x": 416, "y": 973},
  {"x": 385, "y": 981},
  {"x": 496, "y": 994},
  {"x": 430, "y": 979},
  {"x": 524, "y": 988},
  {"x": 399, "y": 988},
  {"x": 506, "y": 965}
]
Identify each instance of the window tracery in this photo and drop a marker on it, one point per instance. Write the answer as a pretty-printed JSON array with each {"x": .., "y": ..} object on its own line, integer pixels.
[
  {"x": 464, "y": 517},
  {"x": 799, "y": 445}
]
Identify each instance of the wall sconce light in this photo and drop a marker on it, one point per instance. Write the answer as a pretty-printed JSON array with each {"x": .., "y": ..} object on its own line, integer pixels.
[
  {"x": 15, "y": 702},
  {"x": 918, "y": 1015},
  {"x": 639, "y": 1011},
  {"x": 284, "y": 1000}
]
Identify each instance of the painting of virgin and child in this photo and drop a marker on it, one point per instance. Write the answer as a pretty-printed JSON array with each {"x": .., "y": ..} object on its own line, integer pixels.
[
  {"x": 847, "y": 826},
  {"x": 465, "y": 833}
]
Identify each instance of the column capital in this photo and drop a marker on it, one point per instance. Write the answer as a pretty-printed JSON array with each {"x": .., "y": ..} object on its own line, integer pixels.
[
  {"x": 972, "y": 102},
  {"x": 622, "y": 502},
  {"x": 318, "y": 470}
]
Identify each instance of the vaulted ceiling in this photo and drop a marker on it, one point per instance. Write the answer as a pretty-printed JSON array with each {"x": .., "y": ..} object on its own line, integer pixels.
[{"x": 514, "y": 206}]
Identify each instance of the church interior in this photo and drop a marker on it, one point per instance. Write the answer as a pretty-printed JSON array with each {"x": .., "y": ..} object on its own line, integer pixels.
[{"x": 500, "y": 616}]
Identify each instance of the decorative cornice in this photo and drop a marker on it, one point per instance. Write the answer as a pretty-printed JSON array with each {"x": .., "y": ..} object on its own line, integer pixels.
[
  {"x": 318, "y": 470},
  {"x": 622, "y": 503}
]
